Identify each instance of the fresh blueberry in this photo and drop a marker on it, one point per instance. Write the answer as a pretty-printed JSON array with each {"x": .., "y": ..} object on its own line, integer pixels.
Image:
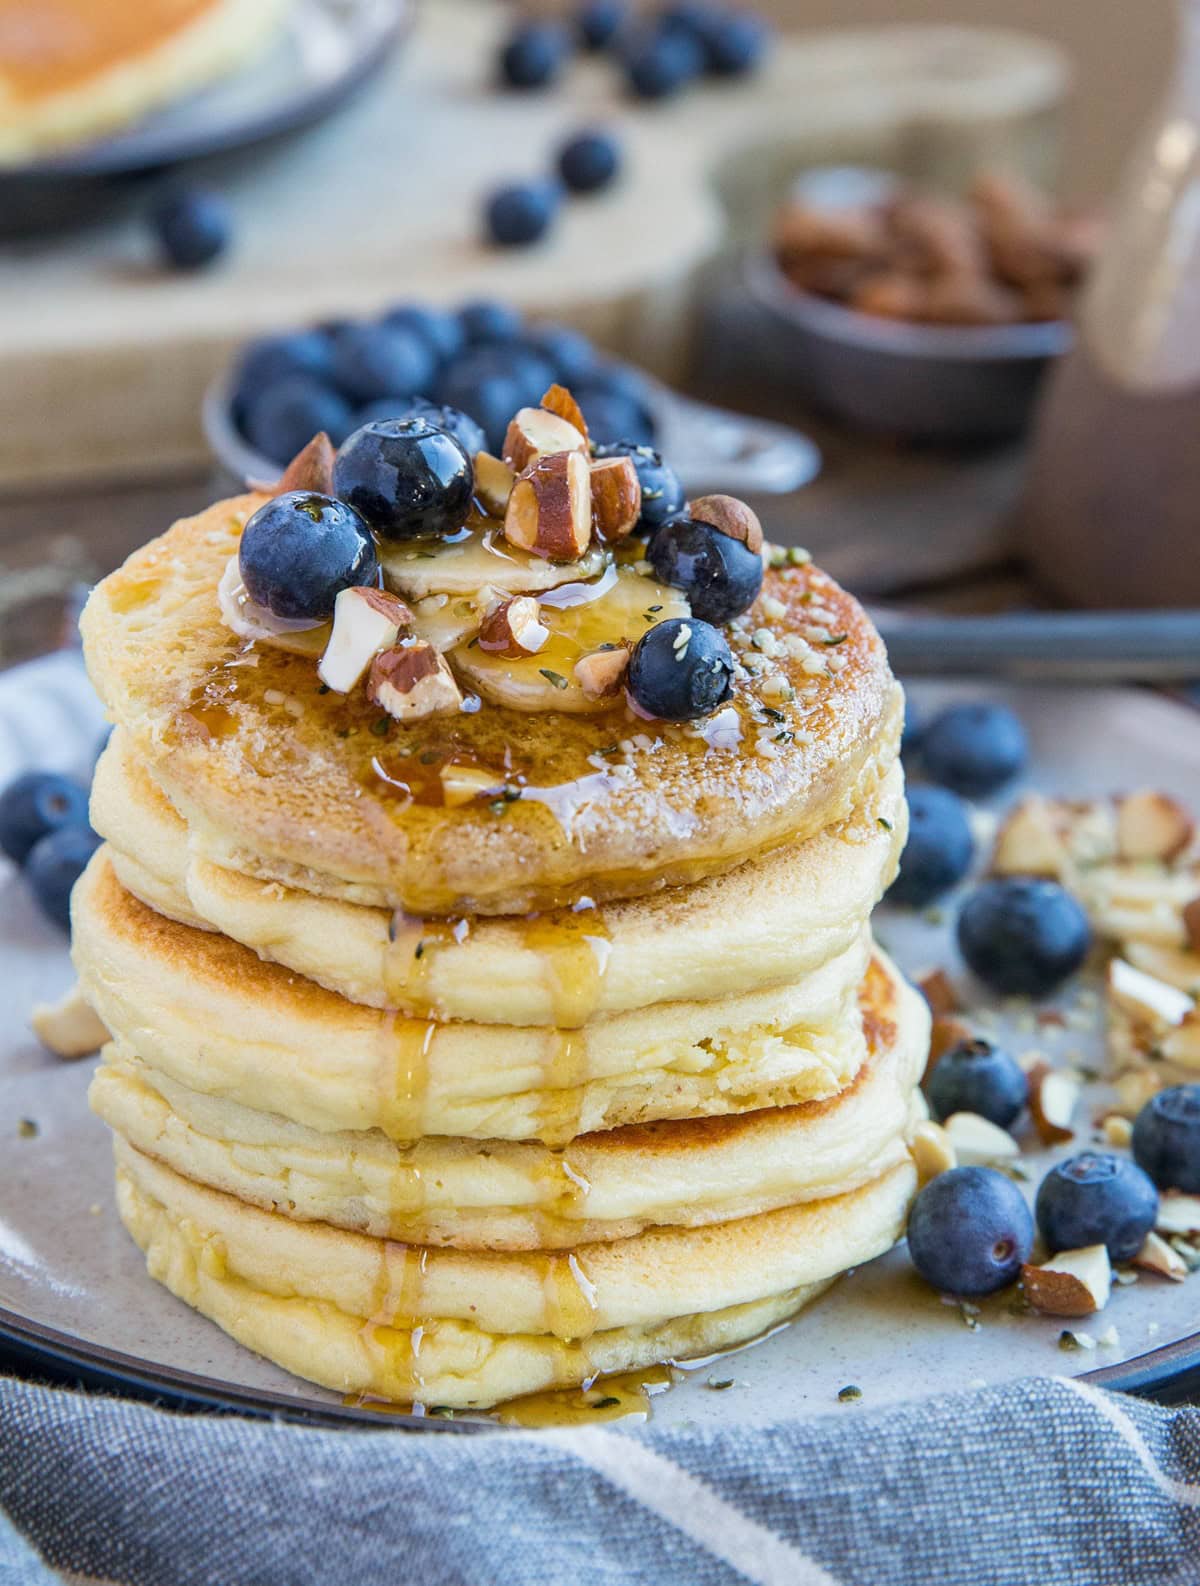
[
  {"x": 662, "y": 63},
  {"x": 939, "y": 849},
  {"x": 569, "y": 352},
  {"x": 970, "y": 1231},
  {"x": 373, "y": 361},
  {"x": 408, "y": 479},
  {"x": 486, "y": 321},
  {"x": 287, "y": 415},
  {"x": 1166, "y": 1138},
  {"x": 35, "y": 804},
  {"x": 914, "y": 728},
  {"x": 534, "y": 54},
  {"x": 520, "y": 214},
  {"x": 488, "y": 396},
  {"x": 720, "y": 576},
  {"x": 193, "y": 226},
  {"x": 735, "y": 44},
  {"x": 687, "y": 16},
  {"x": 55, "y": 864},
  {"x": 1097, "y": 1198},
  {"x": 663, "y": 496},
  {"x": 599, "y": 22},
  {"x": 976, "y": 1076},
  {"x": 439, "y": 328},
  {"x": 680, "y": 669},
  {"x": 300, "y": 549},
  {"x": 612, "y": 418},
  {"x": 974, "y": 749},
  {"x": 1023, "y": 936},
  {"x": 454, "y": 421},
  {"x": 589, "y": 161},
  {"x": 273, "y": 358}
]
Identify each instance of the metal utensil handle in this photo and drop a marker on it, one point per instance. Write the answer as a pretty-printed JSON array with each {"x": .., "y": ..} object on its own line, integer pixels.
[{"x": 1097, "y": 647}]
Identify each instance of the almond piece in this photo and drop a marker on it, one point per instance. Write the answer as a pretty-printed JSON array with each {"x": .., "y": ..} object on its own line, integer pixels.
[
  {"x": 977, "y": 1141},
  {"x": 1072, "y": 1283},
  {"x": 550, "y": 510},
  {"x": 1117, "y": 1131},
  {"x": 513, "y": 628},
  {"x": 616, "y": 498},
  {"x": 1191, "y": 923},
  {"x": 68, "y": 1028},
  {"x": 1028, "y": 842},
  {"x": 412, "y": 682},
  {"x": 1053, "y": 1097},
  {"x": 309, "y": 469},
  {"x": 1144, "y": 997},
  {"x": 535, "y": 433},
  {"x": 1156, "y": 1255},
  {"x": 1176, "y": 965},
  {"x": 601, "y": 674},
  {"x": 1152, "y": 826},
  {"x": 365, "y": 621},
  {"x": 729, "y": 516},
  {"x": 1178, "y": 1213},
  {"x": 938, "y": 990},
  {"x": 1134, "y": 1089},
  {"x": 558, "y": 400},
  {"x": 463, "y": 783},
  {"x": 1182, "y": 1044},
  {"x": 493, "y": 483},
  {"x": 932, "y": 1150}
]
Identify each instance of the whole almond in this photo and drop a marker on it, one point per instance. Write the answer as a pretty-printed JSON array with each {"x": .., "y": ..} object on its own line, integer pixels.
[
  {"x": 310, "y": 469},
  {"x": 729, "y": 516}
]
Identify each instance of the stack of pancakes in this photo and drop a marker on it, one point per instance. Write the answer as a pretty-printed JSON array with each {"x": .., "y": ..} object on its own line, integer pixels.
[{"x": 445, "y": 1099}]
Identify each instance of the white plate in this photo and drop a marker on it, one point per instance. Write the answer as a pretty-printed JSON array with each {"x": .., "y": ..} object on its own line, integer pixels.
[{"x": 70, "y": 1278}]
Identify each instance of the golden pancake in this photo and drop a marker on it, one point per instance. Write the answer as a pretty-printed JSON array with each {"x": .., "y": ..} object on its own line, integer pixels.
[
  {"x": 216, "y": 1018},
  {"x": 281, "y": 781},
  {"x": 503, "y": 1195},
  {"x": 369, "y": 1316},
  {"x": 768, "y": 923},
  {"x": 72, "y": 70}
]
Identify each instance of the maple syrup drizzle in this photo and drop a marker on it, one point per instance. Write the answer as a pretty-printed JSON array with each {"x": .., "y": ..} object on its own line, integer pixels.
[
  {"x": 604, "y": 1399},
  {"x": 397, "y": 1324},
  {"x": 403, "y": 1074}
]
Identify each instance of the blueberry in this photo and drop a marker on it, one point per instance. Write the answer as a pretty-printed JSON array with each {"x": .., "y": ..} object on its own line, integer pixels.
[
  {"x": 680, "y": 669},
  {"x": 589, "y": 161},
  {"x": 490, "y": 398},
  {"x": 612, "y": 418},
  {"x": 454, "y": 421},
  {"x": 520, "y": 214},
  {"x": 373, "y": 361},
  {"x": 1022, "y": 936},
  {"x": 914, "y": 728},
  {"x": 1166, "y": 1138},
  {"x": 663, "y": 496},
  {"x": 974, "y": 749},
  {"x": 439, "y": 328},
  {"x": 534, "y": 54},
  {"x": 735, "y": 44},
  {"x": 300, "y": 549},
  {"x": 273, "y": 358},
  {"x": 976, "y": 1076},
  {"x": 663, "y": 62},
  {"x": 687, "y": 16},
  {"x": 55, "y": 864},
  {"x": 599, "y": 22},
  {"x": 408, "y": 479},
  {"x": 939, "y": 849},
  {"x": 287, "y": 415},
  {"x": 719, "y": 575},
  {"x": 970, "y": 1231},
  {"x": 192, "y": 225},
  {"x": 569, "y": 352},
  {"x": 1097, "y": 1198},
  {"x": 485, "y": 320},
  {"x": 35, "y": 804}
]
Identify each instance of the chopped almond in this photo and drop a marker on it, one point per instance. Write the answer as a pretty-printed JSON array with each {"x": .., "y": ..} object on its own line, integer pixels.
[
  {"x": 1072, "y": 1283},
  {"x": 309, "y": 469},
  {"x": 550, "y": 510},
  {"x": 1117, "y": 1131},
  {"x": 932, "y": 1150},
  {"x": 1182, "y": 1044},
  {"x": 729, "y": 516},
  {"x": 412, "y": 682},
  {"x": 1156, "y": 1255},
  {"x": 1053, "y": 1097},
  {"x": 938, "y": 990},
  {"x": 69, "y": 1028},
  {"x": 1029, "y": 842},
  {"x": 977, "y": 1141},
  {"x": 601, "y": 674},
  {"x": 493, "y": 483},
  {"x": 616, "y": 498},
  {"x": 1146, "y": 998},
  {"x": 558, "y": 400},
  {"x": 1178, "y": 1213},
  {"x": 1152, "y": 826},
  {"x": 463, "y": 783},
  {"x": 535, "y": 433},
  {"x": 945, "y": 1033},
  {"x": 513, "y": 628},
  {"x": 1191, "y": 923},
  {"x": 365, "y": 621}
]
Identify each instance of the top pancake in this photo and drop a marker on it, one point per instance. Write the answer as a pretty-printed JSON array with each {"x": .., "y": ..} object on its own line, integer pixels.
[{"x": 284, "y": 782}]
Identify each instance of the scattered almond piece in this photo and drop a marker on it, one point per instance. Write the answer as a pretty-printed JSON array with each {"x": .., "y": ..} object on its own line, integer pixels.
[
  {"x": 365, "y": 621},
  {"x": 514, "y": 627},
  {"x": 1029, "y": 842},
  {"x": 938, "y": 990},
  {"x": 1053, "y": 1097},
  {"x": 1134, "y": 1090},
  {"x": 729, "y": 516},
  {"x": 1182, "y": 1044},
  {"x": 310, "y": 469},
  {"x": 69, "y": 1027},
  {"x": 1191, "y": 923},
  {"x": 616, "y": 498},
  {"x": 1178, "y": 1213},
  {"x": 601, "y": 674},
  {"x": 1072, "y": 1283},
  {"x": 462, "y": 783},
  {"x": 1152, "y": 826},
  {"x": 977, "y": 1141},
  {"x": 1118, "y": 1131},
  {"x": 494, "y": 480},
  {"x": 412, "y": 682},
  {"x": 1144, "y": 997},
  {"x": 558, "y": 400},
  {"x": 1176, "y": 965},
  {"x": 932, "y": 1150},
  {"x": 535, "y": 433},
  {"x": 550, "y": 510},
  {"x": 1156, "y": 1255}
]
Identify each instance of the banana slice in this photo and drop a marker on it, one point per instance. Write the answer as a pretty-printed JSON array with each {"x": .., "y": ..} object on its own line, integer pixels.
[
  {"x": 620, "y": 605},
  {"x": 480, "y": 557}
]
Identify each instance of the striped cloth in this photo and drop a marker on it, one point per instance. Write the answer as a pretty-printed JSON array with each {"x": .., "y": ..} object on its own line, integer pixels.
[{"x": 1047, "y": 1481}]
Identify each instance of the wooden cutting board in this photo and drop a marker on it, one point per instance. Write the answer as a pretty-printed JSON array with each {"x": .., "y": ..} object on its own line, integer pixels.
[{"x": 104, "y": 356}]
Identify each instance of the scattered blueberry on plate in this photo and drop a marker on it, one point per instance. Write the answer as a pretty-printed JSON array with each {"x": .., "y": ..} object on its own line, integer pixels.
[
  {"x": 36, "y": 804},
  {"x": 521, "y": 213},
  {"x": 534, "y": 54},
  {"x": 405, "y": 477},
  {"x": 662, "y": 62},
  {"x": 735, "y": 44},
  {"x": 1166, "y": 1138},
  {"x": 718, "y": 574},
  {"x": 1097, "y": 1198},
  {"x": 939, "y": 849},
  {"x": 680, "y": 669},
  {"x": 53, "y": 867},
  {"x": 977, "y": 1076},
  {"x": 589, "y": 161},
  {"x": 1023, "y": 936},
  {"x": 599, "y": 22},
  {"x": 974, "y": 749},
  {"x": 970, "y": 1231},
  {"x": 299, "y": 549},
  {"x": 192, "y": 225}
]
